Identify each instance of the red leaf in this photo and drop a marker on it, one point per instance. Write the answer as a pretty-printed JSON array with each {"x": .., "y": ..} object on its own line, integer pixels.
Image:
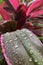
[
  {"x": 33, "y": 6},
  {"x": 15, "y": 3},
  {"x": 21, "y": 16},
  {"x": 4, "y": 14},
  {"x": 36, "y": 13}
]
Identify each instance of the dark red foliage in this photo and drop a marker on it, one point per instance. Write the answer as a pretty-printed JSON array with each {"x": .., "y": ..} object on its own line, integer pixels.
[
  {"x": 21, "y": 16},
  {"x": 7, "y": 26},
  {"x": 21, "y": 13}
]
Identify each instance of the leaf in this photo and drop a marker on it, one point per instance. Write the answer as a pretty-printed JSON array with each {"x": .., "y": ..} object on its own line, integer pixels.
[
  {"x": 34, "y": 6},
  {"x": 36, "y": 13},
  {"x": 14, "y": 3},
  {"x": 4, "y": 14}
]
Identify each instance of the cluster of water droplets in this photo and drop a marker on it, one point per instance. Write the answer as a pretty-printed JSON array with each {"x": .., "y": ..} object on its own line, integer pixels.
[
  {"x": 20, "y": 60},
  {"x": 28, "y": 31}
]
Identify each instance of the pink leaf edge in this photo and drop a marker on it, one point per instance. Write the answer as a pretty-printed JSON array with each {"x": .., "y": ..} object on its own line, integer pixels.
[
  {"x": 34, "y": 6},
  {"x": 4, "y": 51}
]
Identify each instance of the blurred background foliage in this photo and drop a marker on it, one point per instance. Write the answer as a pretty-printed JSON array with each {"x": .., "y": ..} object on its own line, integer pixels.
[{"x": 1, "y": 1}]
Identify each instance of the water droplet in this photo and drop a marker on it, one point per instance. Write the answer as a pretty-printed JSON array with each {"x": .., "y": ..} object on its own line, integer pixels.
[
  {"x": 16, "y": 46},
  {"x": 31, "y": 52},
  {"x": 38, "y": 53},
  {"x": 30, "y": 59},
  {"x": 10, "y": 41},
  {"x": 21, "y": 59},
  {"x": 6, "y": 42},
  {"x": 30, "y": 35},
  {"x": 42, "y": 60},
  {"x": 25, "y": 38},
  {"x": 35, "y": 60},
  {"x": 16, "y": 39}
]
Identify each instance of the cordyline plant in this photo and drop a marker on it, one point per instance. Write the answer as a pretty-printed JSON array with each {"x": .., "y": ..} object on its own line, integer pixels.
[
  {"x": 21, "y": 47},
  {"x": 23, "y": 16}
]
